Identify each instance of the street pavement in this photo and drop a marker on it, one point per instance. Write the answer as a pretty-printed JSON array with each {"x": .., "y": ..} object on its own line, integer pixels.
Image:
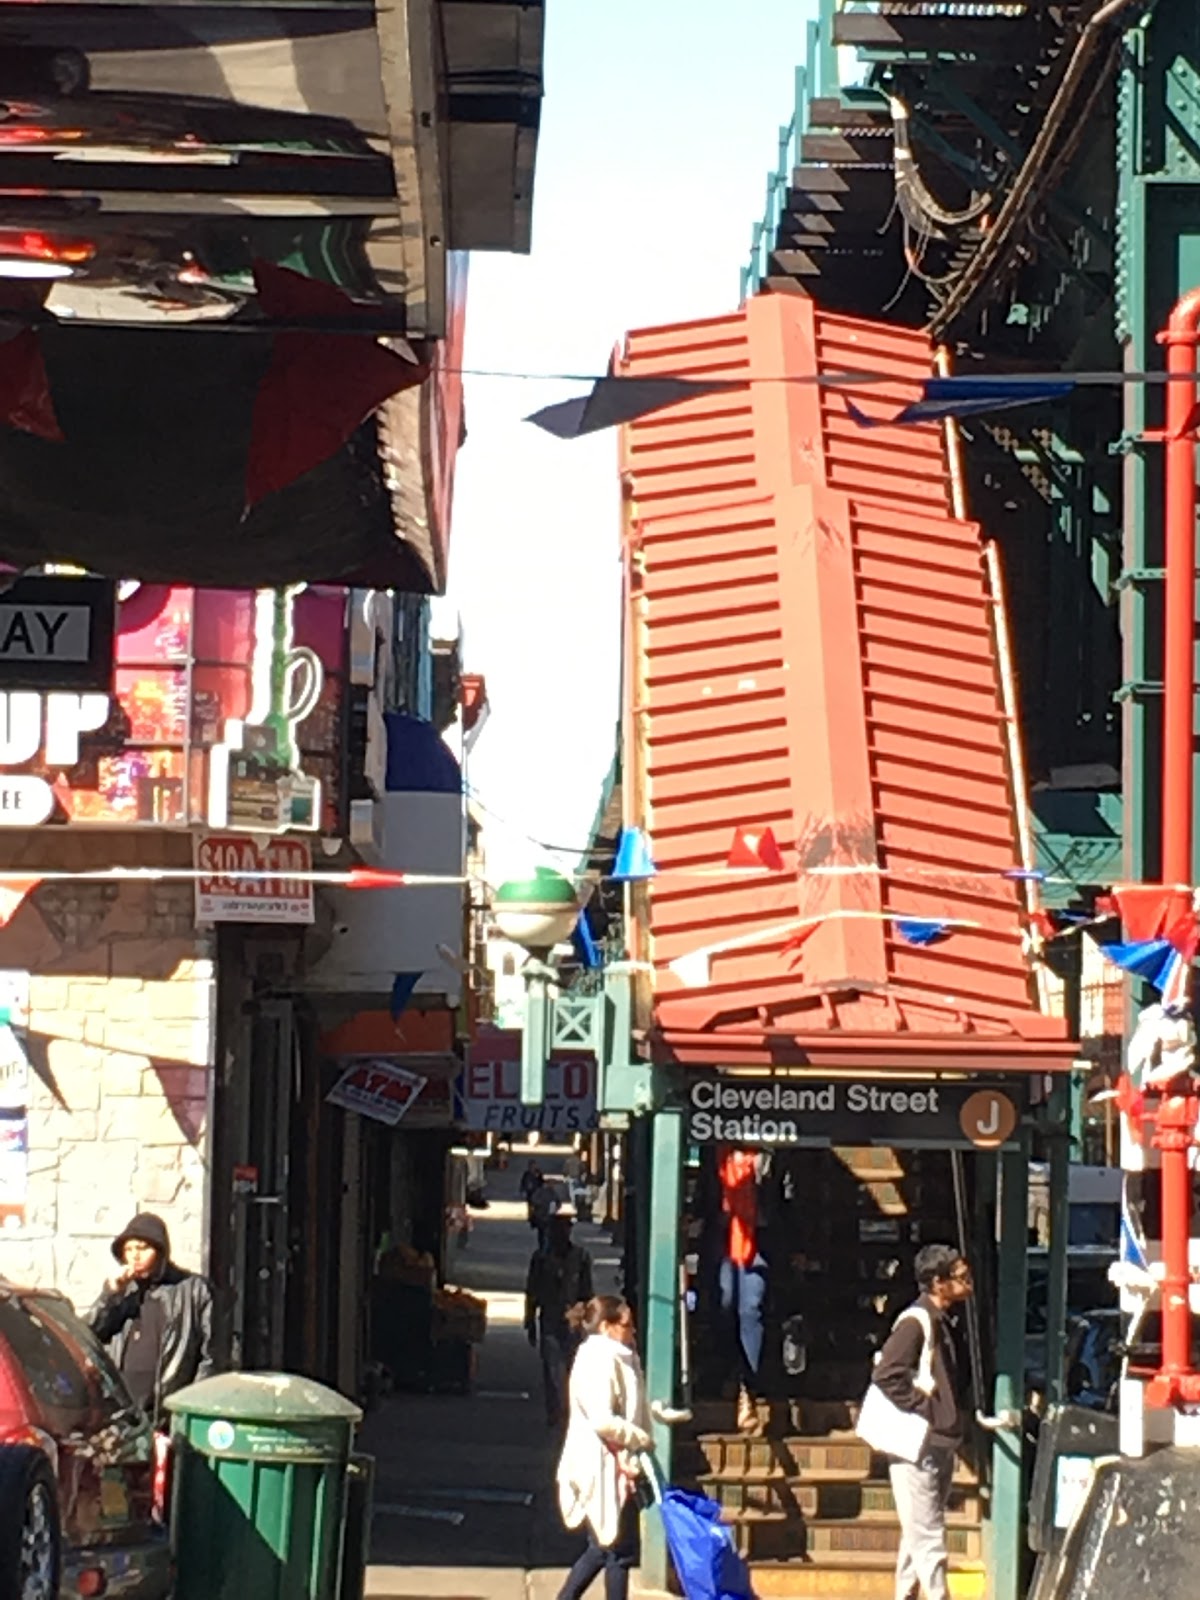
[{"x": 465, "y": 1507}]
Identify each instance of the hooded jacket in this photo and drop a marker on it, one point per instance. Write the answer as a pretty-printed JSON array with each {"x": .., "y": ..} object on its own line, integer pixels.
[{"x": 184, "y": 1301}]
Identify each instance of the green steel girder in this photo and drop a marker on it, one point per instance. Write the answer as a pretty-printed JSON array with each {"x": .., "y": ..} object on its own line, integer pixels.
[
  {"x": 944, "y": 85},
  {"x": 1158, "y": 259}
]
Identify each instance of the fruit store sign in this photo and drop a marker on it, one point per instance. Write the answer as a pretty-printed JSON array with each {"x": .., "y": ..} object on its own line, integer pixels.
[{"x": 49, "y": 725}]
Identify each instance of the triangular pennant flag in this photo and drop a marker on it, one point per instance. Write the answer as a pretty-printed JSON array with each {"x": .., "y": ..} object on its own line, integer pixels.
[
  {"x": 920, "y": 930},
  {"x": 319, "y": 387},
  {"x": 693, "y": 970},
  {"x": 375, "y": 878},
  {"x": 794, "y": 945},
  {"x": 403, "y": 985},
  {"x": 634, "y": 862},
  {"x": 587, "y": 952},
  {"x": 614, "y": 400},
  {"x": 1152, "y": 959},
  {"x": 965, "y": 397},
  {"x": 1154, "y": 911},
  {"x": 12, "y": 896},
  {"x": 25, "y": 402},
  {"x": 754, "y": 848}
]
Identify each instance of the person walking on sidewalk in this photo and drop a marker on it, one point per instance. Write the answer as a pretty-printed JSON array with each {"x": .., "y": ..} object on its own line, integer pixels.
[
  {"x": 607, "y": 1431},
  {"x": 155, "y": 1318},
  {"x": 559, "y": 1284},
  {"x": 921, "y": 1342}
]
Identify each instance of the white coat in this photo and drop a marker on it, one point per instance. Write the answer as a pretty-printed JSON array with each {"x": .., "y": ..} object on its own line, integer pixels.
[{"x": 608, "y": 1423}]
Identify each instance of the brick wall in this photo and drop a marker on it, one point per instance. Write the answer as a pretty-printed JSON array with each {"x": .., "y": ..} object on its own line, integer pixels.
[{"x": 120, "y": 1043}]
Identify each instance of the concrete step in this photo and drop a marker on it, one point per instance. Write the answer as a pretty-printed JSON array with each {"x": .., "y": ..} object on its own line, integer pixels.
[
  {"x": 832, "y": 1580},
  {"x": 775, "y": 1536},
  {"x": 807, "y": 1499},
  {"x": 840, "y": 1457}
]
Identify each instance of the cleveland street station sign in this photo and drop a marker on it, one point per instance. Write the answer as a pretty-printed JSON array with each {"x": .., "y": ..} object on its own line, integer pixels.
[{"x": 782, "y": 1112}]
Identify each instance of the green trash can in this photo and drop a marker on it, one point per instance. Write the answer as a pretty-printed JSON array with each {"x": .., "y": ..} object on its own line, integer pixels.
[{"x": 262, "y": 1462}]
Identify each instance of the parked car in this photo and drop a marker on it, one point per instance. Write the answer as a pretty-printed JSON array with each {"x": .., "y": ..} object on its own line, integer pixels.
[{"x": 77, "y": 1482}]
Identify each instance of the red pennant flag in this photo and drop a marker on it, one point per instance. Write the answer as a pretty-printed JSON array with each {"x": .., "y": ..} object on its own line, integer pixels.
[
  {"x": 319, "y": 387},
  {"x": 794, "y": 945},
  {"x": 1155, "y": 911},
  {"x": 12, "y": 896},
  {"x": 751, "y": 848},
  {"x": 375, "y": 878},
  {"x": 25, "y": 402},
  {"x": 1131, "y": 1103}
]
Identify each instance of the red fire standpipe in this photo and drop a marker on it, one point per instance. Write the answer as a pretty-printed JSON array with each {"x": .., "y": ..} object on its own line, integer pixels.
[
  {"x": 1179, "y": 623},
  {"x": 1175, "y": 1122}
]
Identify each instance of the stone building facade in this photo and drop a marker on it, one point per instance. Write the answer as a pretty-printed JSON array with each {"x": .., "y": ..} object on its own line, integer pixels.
[{"x": 118, "y": 1034}]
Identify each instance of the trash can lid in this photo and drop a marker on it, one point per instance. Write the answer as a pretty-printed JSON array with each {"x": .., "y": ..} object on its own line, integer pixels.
[{"x": 264, "y": 1397}]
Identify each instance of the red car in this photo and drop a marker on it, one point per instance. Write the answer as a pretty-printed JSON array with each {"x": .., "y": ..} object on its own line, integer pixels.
[{"x": 77, "y": 1480}]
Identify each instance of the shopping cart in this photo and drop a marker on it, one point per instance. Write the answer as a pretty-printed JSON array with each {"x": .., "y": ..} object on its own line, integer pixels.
[{"x": 701, "y": 1547}]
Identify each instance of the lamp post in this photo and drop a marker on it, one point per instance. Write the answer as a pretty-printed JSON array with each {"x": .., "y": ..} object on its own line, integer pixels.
[{"x": 537, "y": 913}]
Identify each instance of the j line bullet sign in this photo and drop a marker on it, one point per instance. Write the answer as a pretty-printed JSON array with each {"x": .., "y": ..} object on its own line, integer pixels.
[{"x": 779, "y": 1112}]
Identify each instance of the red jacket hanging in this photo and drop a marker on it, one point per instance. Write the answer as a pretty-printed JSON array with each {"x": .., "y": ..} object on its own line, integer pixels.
[{"x": 738, "y": 1173}]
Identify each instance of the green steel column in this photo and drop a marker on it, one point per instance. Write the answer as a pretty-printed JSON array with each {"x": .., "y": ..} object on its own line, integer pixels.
[
  {"x": 1058, "y": 1142},
  {"x": 662, "y": 1308},
  {"x": 1006, "y": 1530}
]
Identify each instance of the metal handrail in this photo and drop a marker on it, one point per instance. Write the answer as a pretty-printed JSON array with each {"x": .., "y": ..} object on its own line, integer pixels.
[{"x": 816, "y": 78}]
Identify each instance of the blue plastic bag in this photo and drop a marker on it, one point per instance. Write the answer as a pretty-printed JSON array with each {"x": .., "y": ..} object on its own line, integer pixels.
[{"x": 702, "y": 1548}]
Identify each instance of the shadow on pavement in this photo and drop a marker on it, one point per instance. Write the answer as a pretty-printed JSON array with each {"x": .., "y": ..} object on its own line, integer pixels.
[{"x": 465, "y": 1501}]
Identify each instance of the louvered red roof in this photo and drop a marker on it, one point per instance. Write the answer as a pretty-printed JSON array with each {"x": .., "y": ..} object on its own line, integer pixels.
[{"x": 812, "y": 648}]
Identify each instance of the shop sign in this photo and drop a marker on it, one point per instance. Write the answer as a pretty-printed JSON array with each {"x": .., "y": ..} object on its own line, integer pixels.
[
  {"x": 376, "y": 1087},
  {"x": 808, "y": 1111},
  {"x": 57, "y": 633},
  {"x": 52, "y": 724},
  {"x": 283, "y": 895},
  {"x": 489, "y": 1097}
]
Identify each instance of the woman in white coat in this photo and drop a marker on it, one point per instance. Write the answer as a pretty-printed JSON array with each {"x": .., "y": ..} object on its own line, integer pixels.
[{"x": 608, "y": 1427}]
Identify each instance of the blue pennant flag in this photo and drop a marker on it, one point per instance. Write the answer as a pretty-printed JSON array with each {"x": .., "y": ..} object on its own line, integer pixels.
[
  {"x": 587, "y": 951},
  {"x": 920, "y": 930},
  {"x": 403, "y": 985},
  {"x": 966, "y": 397},
  {"x": 1152, "y": 959},
  {"x": 634, "y": 862}
]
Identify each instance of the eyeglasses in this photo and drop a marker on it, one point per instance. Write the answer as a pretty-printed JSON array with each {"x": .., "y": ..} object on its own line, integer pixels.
[{"x": 961, "y": 1275}]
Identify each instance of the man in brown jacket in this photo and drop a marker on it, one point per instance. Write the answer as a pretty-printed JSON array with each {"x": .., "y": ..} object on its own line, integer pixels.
[{"x": 921, "y": 1489}]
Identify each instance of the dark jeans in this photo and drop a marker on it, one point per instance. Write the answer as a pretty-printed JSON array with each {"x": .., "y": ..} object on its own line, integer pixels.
[
  {"x": 615, "y": 1562},
  {"x": 557, "y": 1347},
  {"x": 742, "y": 1295}
]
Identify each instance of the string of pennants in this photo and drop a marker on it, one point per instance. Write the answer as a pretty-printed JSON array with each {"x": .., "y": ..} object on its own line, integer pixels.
[{"x": 1161, "y": 923}]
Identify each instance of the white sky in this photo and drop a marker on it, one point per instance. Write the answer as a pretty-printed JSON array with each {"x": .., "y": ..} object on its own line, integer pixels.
[{"x": 659, "y": 127}]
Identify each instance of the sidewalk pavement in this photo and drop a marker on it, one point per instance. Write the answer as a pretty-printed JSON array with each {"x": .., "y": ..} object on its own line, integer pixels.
[{"x": 465, "y": 1502}]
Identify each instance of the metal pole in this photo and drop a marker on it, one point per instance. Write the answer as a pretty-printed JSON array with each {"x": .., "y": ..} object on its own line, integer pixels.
[
  {"x": 1058, "y": 1138},
  {"x": 661, "y": 1309},
  {"x": 1176, "y": 1380},
  {"x": 962, "y": 1220},
  {"x": 1006, "y": 1528},
  {"x": 1179, "y": 603}
]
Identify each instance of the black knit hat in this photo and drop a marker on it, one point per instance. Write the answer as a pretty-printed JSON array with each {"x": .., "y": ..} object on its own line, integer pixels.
[{"x": 148, "y": 1229}]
